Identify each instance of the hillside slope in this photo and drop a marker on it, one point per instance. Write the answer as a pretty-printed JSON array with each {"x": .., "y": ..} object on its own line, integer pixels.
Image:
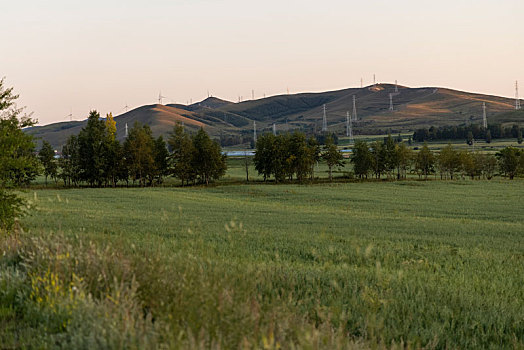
[{"x": 413, "y": 108}]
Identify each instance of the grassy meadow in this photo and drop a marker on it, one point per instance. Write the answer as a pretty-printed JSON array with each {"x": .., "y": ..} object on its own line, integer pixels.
[{"x": 381, "y": 265}]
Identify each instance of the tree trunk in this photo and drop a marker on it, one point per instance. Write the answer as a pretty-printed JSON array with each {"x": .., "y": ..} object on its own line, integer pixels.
[{"x": 247, "y": 172}]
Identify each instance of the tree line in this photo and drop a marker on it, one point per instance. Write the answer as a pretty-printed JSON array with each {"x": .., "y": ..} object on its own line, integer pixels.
[
  {"x": 468, "y": 133},
  {"x": 96, "y": 158},
  {"x": 289, "y": 156},
  {"x": 394, "y": 159}
]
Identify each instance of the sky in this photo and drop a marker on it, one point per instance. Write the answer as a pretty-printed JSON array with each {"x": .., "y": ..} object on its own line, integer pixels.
[{"x": 67, "y": 57}]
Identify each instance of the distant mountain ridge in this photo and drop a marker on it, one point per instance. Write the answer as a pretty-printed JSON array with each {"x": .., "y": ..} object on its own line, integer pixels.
[{"x": 413, "y": 108}]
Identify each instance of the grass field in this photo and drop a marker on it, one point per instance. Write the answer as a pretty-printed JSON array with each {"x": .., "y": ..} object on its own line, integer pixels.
[{"x": 418, "y": 264}]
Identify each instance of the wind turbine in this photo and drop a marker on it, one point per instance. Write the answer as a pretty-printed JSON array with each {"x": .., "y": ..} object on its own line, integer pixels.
[
  {"x": 70, "y": 115},
  {"x": 160, "y": 98}
]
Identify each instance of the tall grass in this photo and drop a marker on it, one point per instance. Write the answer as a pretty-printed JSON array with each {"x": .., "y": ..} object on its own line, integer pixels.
[{"x": 435, "y": 265}]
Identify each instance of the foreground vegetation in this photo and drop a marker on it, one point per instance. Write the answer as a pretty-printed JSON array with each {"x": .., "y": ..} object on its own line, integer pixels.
[{"x": 243, "y": 266}]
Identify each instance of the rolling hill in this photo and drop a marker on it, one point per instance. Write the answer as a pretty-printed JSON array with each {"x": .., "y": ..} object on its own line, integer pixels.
[{"x": 413, "y": 108}]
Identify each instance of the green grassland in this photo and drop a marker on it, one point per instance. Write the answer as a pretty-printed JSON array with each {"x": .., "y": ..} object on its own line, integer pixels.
[{"x": 385, "y": 264}]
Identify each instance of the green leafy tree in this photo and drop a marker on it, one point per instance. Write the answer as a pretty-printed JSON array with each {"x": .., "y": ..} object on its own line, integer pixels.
[
  {"x": 489, "y": 165},
  {"x": 302, "y": 152},
  {"x": 265, "y": 155},
  {"x": 314, "y": 155},
  {"x": 181, "y": 157},
  {"x": 47, "y": 158},
  {"x": 93, "y": 143},
  {"x": 282, "y": 160},
  {"x": 208, "y": 161},
  {"x": 521, "y": 163},
  {"x": 404, "y": 157},
  {"x": 469, "y": 164},
  {"x": 378, "y": 156},
  {"x": 161, "y": 156},
  {"x": 391, "y": 156},
  {"x": 18, "y": 163},
  {"x": 288, "y": 155},
  {"x": 362, "y": 159},
  {"x": 509, "y": 159},
  {"x": 424, "y": 161},
  {"x": 449, "y": 161},
  {"x": 115, "y": 167},
  {"x": 332, "y": 156},
  {"x": 69, "y": 162},
  {"x": 138, "y": 153}
]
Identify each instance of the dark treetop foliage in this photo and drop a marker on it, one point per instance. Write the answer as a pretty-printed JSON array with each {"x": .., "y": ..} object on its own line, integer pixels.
[{"x": 467, "y": 133}]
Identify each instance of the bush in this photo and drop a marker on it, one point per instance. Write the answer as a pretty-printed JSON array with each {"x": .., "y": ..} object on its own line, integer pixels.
[{"x": 11, "y": 208}]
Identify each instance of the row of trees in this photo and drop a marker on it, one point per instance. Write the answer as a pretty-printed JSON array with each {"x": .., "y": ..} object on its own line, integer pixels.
[
  {"x": 389, "y": 157},
  {"x": 285, "y": 156},
  {"x": 468, "y": 133},
  {"x": 95, "y": 157},
  {"x": 293, "y": 155}
]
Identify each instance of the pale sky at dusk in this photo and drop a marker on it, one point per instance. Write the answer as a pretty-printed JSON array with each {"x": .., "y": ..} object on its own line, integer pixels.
[{"x": 101, "y": 55}]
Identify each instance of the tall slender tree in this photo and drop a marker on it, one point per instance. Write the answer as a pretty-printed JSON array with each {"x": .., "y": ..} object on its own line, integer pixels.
[
  {"x": 425, "y": 161},
  {"x": 69, "y": 162},
  {"x": 332, "y": 156},
  {"x": 181, "y": 155},
  {"x": 114, "y": 162},
  {"x": 47, "y": 158},
  {"x": 391, "y": 156},
  {"x": 265, "y": 155},
  {"x": 110, "y": 126},
  {"x": 314, "y": 155},
  {"x": 378, "y": 156},
  {"x": 93, "y": 142},
  {"x": 138, "y": 153},
  {"x": 362, "y": 159},
  {"x": 161, "y": 157},
  {"x": 405, "y": 158}
]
